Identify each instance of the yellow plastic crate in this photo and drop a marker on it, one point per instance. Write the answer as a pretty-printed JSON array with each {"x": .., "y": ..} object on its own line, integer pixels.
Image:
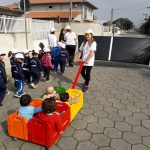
[{"x": 75, "y": 108}]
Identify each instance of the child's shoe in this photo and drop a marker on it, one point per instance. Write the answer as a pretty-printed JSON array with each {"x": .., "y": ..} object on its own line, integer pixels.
[
  {"x": 18, "y": 96},
  {"x": 1, "y": 104},
  {"x": 33, "y": 85}
]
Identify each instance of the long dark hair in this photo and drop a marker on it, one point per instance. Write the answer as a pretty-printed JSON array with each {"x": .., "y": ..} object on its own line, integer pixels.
[{"x": 61, "y": 36}]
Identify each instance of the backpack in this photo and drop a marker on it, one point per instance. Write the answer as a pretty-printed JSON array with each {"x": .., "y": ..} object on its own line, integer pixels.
[{"x": 55, "y": 52}]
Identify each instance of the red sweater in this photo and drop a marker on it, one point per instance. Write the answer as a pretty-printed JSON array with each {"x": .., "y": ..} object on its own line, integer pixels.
[
  {"x": 52, "y": 119},
  {"x": 46, "y": 61}
]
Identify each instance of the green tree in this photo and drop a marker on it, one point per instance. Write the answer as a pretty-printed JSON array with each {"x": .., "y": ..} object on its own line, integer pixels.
[
  {"x": 27, "y": 3},
  {"x": 124, "y": 23},
  {"x": 145, "y": 27}
]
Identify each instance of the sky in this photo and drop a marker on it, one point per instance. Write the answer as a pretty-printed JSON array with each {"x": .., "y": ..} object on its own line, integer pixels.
[{"x": 132, "y": 9}]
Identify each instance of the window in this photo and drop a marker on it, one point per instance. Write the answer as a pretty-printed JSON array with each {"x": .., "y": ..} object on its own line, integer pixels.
[
  {"x": 75, "y": 5},
  {"x": 50, "y": 6}
]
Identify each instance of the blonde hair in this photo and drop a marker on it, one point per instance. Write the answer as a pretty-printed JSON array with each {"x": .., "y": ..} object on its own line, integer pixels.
[{"x": 91, "y": 41}]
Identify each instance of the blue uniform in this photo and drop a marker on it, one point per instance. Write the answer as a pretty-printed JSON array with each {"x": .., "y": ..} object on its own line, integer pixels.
[
  {"x": 55, "y": 55},
  {"x": 19, "y": 78},
  {"x": 63, "y": 59},
  {"x": 26, "y": 69},
  {"x": 35, "y": 68},
  {"x": 12, "y": 63},
  {"x": 3, "y": 81}
]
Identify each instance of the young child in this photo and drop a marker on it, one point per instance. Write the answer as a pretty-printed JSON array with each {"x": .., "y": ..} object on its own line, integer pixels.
[
  {"x": 50, "y": 92},
  {"x": 18, "y": 75},
  {"x": 36, "y": 68},
  {"x": 49, "y": 114},
  {"x": 46, "y": 64},
  {"x": 26, "y": 66},
  {"x": 63, "y": 58},
  {"x": 64, "y": 97},
  {"x": 12, "y": 54},
  {"x": 56, "y": 56},
  {"x": 3, "y": 78},
  {"x": 25, "y": 110}
]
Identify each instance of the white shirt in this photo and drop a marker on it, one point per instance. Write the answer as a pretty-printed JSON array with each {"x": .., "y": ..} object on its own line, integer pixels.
[
  {"x": 86, "y": 50},
  {"x": 70, "y": 38},
  {"x": 52, "y": 40}
]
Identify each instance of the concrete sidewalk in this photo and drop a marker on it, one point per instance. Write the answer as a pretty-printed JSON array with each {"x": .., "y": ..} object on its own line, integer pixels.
[{"x": 115, "y": 116}]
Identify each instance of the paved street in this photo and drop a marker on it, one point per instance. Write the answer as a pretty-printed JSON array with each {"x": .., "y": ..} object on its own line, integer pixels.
[{"x": 115, "y": 115}]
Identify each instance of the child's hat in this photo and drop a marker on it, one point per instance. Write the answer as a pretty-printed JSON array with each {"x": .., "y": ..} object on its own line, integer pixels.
[
  {"x": 63, "y": 45},
  {"x": 59, "y": 43},
  {"x": 52, "y": 29},
  {"x": 19, "y": 55},
  {"x": 26, "y": 51},
  {"x": 2, "y": 54},
  {"x": 46, "y": 50},
  {"x": 14, "y": 51}
]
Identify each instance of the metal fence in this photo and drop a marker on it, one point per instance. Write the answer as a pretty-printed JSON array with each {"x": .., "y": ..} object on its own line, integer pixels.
[
  {"x": 41, "y": 28},
  {"x": 10, "y": 24}
]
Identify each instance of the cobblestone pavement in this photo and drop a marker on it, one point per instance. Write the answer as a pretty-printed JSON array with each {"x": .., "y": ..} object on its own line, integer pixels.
[{"x": 115, "y": 115}]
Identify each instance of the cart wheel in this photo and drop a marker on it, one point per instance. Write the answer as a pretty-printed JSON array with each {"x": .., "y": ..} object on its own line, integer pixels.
[{"x": 14, "y": 139}]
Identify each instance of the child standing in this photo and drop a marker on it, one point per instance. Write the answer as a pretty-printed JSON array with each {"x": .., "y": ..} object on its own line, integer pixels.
[
  {"x": 3, "y": 78},
  {"x": 46, "y": 64},
  {"x": 12, "y": 54},
  {"x": 63, "y": 58},
  {"x": 26, "y": 66},
  {"x": 18, "y": 74},
  {"x": 36, "y": 68},
  {"x": 25, "y": 110}
]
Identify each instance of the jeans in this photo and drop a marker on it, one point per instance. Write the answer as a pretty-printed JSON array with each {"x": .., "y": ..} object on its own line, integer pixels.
[
  {"x": 2, "y": 94},
  {"x": 20, "y": 87}
]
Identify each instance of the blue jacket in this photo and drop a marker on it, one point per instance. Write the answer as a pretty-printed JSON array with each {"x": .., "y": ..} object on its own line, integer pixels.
[
  {"x": 35, "y": 65},
  {"x": 12, "y": 63},
  {"x": 63, "y": 54},
  {"x": 26, "y": 64},
  {"x": 18, "y": 71},
  {"x": 55, "y": 52},
  {"x": 3, "y": 76}
]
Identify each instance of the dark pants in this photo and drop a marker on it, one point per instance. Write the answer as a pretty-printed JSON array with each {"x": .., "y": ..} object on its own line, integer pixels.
[
  {"x": 2, "y": 94},
  {"x": 86, "y": 70},
  {"x": 71, "y": 50},
  {"x": 62, "y": 65},
  {"x": 35, "y": 77},
  {"x": 27, "y": 76},
  {"x": 46, "y": 72},
  {"x": 56, "y": 62}
]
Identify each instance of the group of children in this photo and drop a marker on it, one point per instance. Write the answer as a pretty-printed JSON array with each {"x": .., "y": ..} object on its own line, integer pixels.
[
  {"x": 48, "y": 107},
  {"x": 28, "y": 67}
]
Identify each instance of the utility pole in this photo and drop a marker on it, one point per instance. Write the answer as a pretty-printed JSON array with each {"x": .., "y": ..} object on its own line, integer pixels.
[
  {"x": 70, "y": 19},
  {"x": 146, "y": 16},
  {"x": 111, "y": 20},
  {"x": 25, "y": 23}
]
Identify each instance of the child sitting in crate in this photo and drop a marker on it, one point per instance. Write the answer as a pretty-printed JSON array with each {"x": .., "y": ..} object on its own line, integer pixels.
[
  {"x": 25, "y": 110},
  {"x": 64, "y": 97},
  {"x": 49, "y": 114},
  {"x": 50, "y": 92}
]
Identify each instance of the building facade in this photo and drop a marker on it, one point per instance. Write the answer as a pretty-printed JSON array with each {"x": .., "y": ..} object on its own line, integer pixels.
[{"x": 82, "y": 10}]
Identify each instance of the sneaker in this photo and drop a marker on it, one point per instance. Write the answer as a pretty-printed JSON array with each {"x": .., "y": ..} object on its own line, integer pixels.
[
  {"x": 33, "y": 85},
  {"x": 85, "y": 89},
  {"x": 1, "y": 104},
  {"x": 48, "y": 80},
  {"x": 18, "y": 96},
  {"x": 44, "y": 79}
]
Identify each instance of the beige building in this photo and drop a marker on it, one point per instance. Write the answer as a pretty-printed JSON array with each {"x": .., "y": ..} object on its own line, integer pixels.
[{"x": 82, "y": 10}]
